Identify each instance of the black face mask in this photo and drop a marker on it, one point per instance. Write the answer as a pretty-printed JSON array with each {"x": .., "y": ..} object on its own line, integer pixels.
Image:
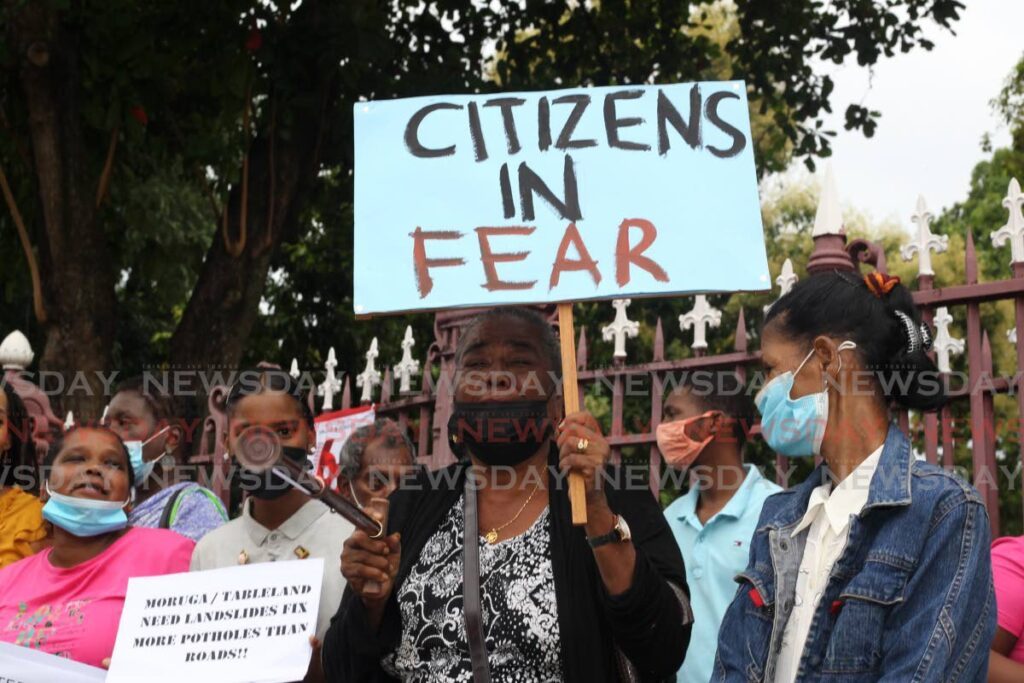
[
  {"x": 269, "y": 485},
  {"x": 500, "y": 433}
]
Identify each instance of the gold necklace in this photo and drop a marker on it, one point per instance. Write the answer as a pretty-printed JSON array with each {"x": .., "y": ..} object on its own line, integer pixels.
[{"x": 492, "y": 536}]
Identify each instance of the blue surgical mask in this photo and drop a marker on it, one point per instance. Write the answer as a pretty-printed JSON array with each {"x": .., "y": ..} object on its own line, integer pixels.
[
  {"x": 140, "y": 467},
  {"x": 84, "y": 516},
  {"x": 795, "y": 427}
]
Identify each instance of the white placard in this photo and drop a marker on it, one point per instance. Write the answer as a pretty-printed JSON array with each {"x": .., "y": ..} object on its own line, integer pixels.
[
  {"x": 25, "y": 665},
  {"x": 243, "y": 624}
]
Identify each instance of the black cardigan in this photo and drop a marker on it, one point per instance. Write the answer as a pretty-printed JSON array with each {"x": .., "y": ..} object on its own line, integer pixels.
[{"x": 646, "y": 622}]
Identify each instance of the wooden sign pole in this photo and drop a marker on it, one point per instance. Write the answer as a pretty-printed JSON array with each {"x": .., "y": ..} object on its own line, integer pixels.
[{"x": 571, "y": 392}]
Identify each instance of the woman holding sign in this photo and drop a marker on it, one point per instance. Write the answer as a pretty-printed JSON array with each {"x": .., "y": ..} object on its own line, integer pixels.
[
  {"x": 876, "y": 568},
  {"x": 543, "y": 600},
  {"x": 67, "y": 599}
]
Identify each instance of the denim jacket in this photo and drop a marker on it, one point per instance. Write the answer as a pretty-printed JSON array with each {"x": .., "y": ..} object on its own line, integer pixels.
[{"x": 909, "y": 599}]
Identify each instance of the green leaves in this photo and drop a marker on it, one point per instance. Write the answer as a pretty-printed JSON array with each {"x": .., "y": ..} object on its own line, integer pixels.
[{"x": 172, "y": 78}]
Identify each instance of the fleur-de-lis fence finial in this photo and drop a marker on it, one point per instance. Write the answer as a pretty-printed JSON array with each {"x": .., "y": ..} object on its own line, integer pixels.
[
  {"x": 700, "y": 317},
  {"x": 945, "y": 345},
  {"x": 1013, "y": 230},
  {"x": 408, "y": 366},
  {"x": 370, "y": 376},
  {"x": 924, "y": 242},
  {"x": 786, "y": 279},
  {"x": 620, "y": 328},
  {"x": 331, "y": 385}
]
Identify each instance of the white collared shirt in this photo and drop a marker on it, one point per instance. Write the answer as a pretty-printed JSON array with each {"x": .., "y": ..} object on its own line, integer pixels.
[
  {"x": 312, "y": 531},
  {"x": 827, "y": 523}
]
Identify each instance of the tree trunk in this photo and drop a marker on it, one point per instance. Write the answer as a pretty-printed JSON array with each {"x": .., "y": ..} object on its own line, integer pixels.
[
  {"x": 78, "y": 274},
  {"x": 225, "y": 302}
]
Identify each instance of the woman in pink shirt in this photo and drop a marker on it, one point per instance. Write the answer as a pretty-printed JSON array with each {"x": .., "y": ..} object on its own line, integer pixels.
[
  {"x": 1006, "y": 663},
  {"x": 67, "y": 599}
]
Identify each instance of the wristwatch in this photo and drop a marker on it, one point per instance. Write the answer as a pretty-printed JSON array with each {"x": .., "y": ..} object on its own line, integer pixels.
[{"x": 619, "y": 533}]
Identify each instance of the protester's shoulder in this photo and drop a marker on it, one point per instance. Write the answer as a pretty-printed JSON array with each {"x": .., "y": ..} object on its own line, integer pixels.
[
  {"x": 935, "y": 487},
  {"x": 22, "y": 515},
  {"x": 331, "y": 521},
  {"x": 415, "y": 488},
  {"x": 196, "y": 496},
  {"x": 763, "y": 487},
  {"x": 776, "y": 503},
  {"x": 25, "y": 567},
  {"x": 628, "y": 491},
  {"x": 19, "y": 503},
  {"x": 164, "y": 540},
  {"x": 424, "y": 478},
  {"x": 156, "y": 551},
  {"x": 677, "y": 507},
  {"x": 1008, "y": 551},
  {"x": 215, "y": 537}
]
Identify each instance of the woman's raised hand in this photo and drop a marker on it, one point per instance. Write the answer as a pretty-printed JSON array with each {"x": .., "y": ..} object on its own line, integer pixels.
[
  {"x": 370, "y": 565},
  {"x": 582, "y": 448}
]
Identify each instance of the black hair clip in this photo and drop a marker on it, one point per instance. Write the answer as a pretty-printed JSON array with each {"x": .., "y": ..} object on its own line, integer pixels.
[
  {"x": 926, "y": 337},
  {"x": 916, "y": 337}
]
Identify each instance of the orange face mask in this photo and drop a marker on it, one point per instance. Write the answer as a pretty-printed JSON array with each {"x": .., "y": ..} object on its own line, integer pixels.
[{"x": 676, "y": 446}]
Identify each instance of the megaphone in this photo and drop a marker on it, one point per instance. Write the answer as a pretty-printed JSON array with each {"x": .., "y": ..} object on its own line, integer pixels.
[{"x": 258, "y": 450}]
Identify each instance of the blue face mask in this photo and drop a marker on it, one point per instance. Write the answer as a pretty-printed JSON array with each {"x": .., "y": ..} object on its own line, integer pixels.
[
  {"x": 84, "y": 516},
  {"x": 140, "y": 467},
  {"x": 794, "y": 427}
]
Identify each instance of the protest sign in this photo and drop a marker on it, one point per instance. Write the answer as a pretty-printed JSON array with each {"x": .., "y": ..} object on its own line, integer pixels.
[
  {"x": 555, "y": 197},
  {"x": 332, "y": 430},
  {"x": 232, "y": 625},
  {"x": 26, "y": 665},
  {"x": 515, "y": 198}
]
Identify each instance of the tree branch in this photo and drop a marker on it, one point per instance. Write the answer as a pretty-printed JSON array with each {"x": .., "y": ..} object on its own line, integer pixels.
[
  {"x": 214, "y": 206},
  {"x": 235, "y": 248},
  {"x": 268, "y": 237},
  {"x": 26, "y": 245},
  {"x": 108, "y": 167}
]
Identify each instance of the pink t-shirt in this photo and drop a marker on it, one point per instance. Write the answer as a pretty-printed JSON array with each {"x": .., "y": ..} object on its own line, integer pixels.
[
  {"x": 1008, "y": 576},
  {"x": 74, "y": 612}
]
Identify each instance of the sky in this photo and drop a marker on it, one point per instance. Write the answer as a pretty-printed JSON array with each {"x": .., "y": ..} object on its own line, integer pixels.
[{"x": 935, "y": 110}]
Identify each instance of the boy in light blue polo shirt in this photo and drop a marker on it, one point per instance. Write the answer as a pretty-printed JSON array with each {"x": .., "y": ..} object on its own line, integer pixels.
[{"x": 703, "y": 430}]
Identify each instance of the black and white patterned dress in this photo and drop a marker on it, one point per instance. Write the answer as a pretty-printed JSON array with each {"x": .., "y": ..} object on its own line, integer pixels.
[{"x": 517, "y": 592}]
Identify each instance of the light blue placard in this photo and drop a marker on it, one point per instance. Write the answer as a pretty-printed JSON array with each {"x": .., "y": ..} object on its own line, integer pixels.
[{"x": 699, "y": 194}]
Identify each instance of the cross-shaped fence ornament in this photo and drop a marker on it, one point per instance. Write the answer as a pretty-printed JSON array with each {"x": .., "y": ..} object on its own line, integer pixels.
[
  {"x": 1014, "y": 228},
  {"x": 408, "y": 366},
  {"x": 331, "y": 384},
  {"x": 370, "y": 376},
  {"x": 700, "y": 318},
  {"x": 620, "y": 328},
  {"x": 786, "y": 279},
  {"x": 944, "y": 344},
  {"x": 925, "y": 241},
  {"x": 294, "y": 371}
]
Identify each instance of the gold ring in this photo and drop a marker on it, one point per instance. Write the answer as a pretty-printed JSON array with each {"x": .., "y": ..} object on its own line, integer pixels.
[{"x": 581, "y": 445}]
